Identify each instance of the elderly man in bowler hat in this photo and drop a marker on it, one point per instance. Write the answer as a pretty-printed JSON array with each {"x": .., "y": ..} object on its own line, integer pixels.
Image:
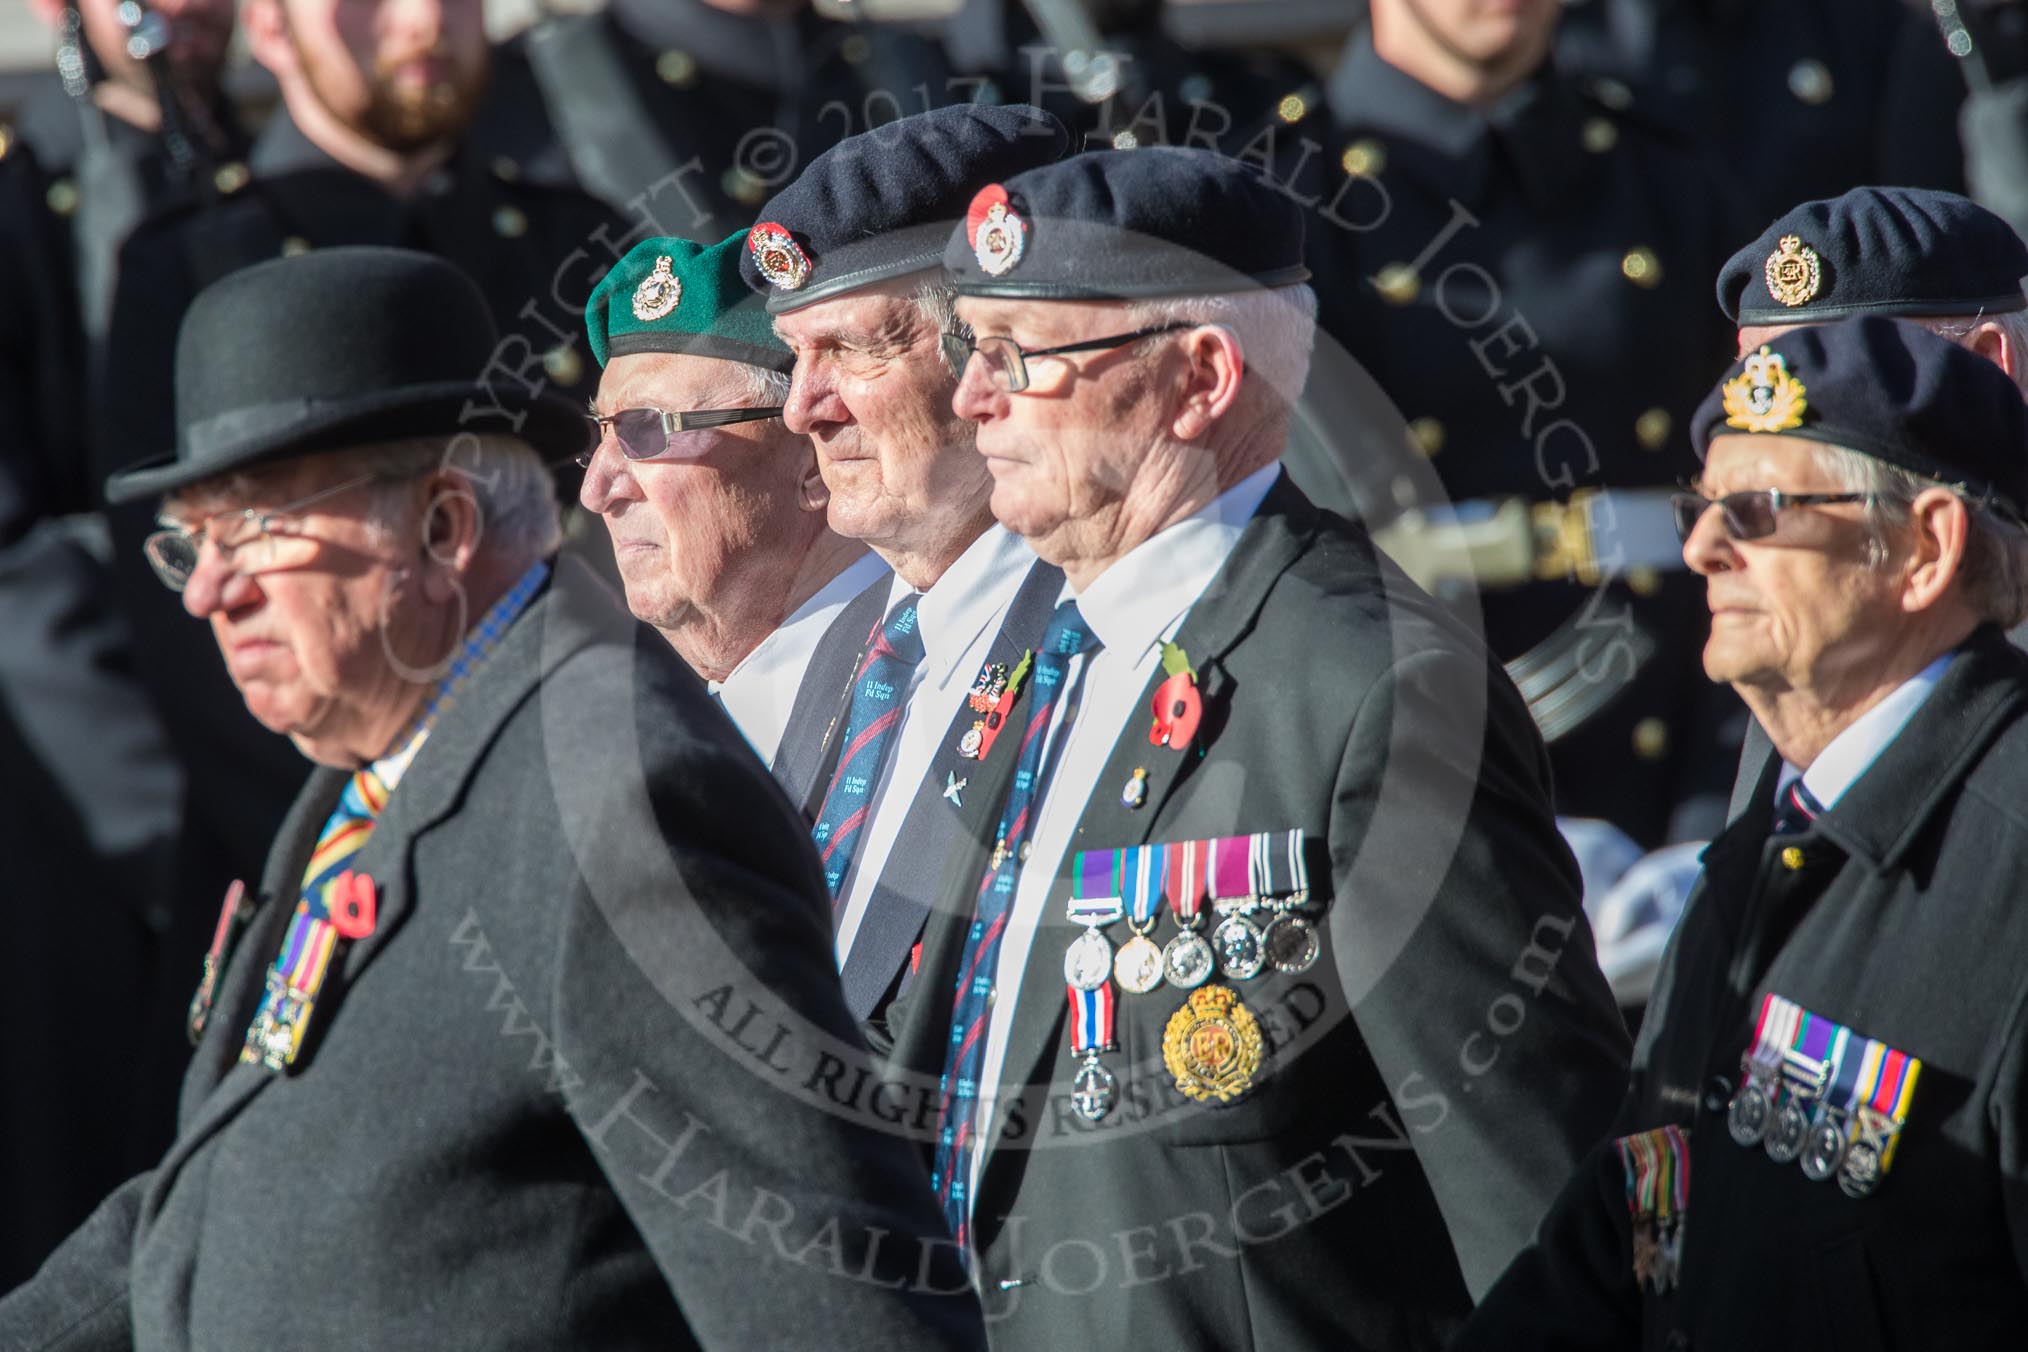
[
  {"x": 1827, "y": 1116},
  {"x": 463, "y": 1068},
  {"x": 1281, "y": 824},
  {"x": 895, "y": 708},
  {"x": 715, "y": 509}
]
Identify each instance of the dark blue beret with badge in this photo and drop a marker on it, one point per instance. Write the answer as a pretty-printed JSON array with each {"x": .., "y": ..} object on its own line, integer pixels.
[
  {"x": 1128, "y": 224},
  {"x": 1876, "y": 251},
  {"x": 1888, "y": 389},
  {"x": 879, "y": 205}
]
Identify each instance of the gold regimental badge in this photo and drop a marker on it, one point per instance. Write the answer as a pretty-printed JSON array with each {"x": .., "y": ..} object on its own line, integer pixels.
[
  {"x": 1213, "y": 1045},
  {"x": 777, "y": 256},
  {"x": 1794, "y": 272},
  {"x": 998, "y": 234},
  {"x": 657, "y": 296},
  {"x": 1764, "y": 397}
]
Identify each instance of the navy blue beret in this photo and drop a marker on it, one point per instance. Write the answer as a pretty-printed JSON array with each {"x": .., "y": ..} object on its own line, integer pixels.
[
  {"x": 880, "y": 204},
  {"x": 1888, "y": 389},
  {"x": 1876, "y": 251},
  {"x": 1120, "y": 224}
]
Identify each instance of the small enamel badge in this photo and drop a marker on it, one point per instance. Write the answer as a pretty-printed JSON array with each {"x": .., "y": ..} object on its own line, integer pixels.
[
  {"x": 997, "y": 235},
  {"x": 1764, "y": 397},
  {"x": 778, "y": 257},
  {"x": 657, "y": 296},
  {"x": 1794, "y": 272},
  {"x": 953, "y": 786},
  {"x": 1178, "y": 707},
  {"x": 1135, "y": 791}
]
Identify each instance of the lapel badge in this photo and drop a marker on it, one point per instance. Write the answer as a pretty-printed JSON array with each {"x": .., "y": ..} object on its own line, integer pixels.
[
  {"x": 777, "y": 256},
  {"x": 987, "y": 687},
  {"x": 1794, "y": 272},
  {"x": 1213, "y": 1045},
  {"x": 351, "y": 903},
  {"x": 1135, "y": 791},
  {"x": 1178, "y": 707},
  {"x": 997, "y": 235},
  {"x": 1764, "y": 397},
  {"x": 953, "y": 786},
  {"x": 657, "y": 296},
  {"x": 1004, "y": 687}
]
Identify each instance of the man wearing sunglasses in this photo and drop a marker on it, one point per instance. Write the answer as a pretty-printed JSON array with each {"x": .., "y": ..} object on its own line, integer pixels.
[
  {"x": 888, "y": 729},
  {"x": 715, "y": 509},
  {"x": 1273, "y": 831},
  {"x": 1826, "y": 1110},
  {"x": 451, "y": 1082}
]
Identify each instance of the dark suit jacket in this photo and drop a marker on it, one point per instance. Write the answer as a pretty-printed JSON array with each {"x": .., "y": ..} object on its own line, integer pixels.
[
  {"x": 1427, "y": 1083},
  {"x": 546, "y": 1103},
  {"x": 1900, "y": 917}
]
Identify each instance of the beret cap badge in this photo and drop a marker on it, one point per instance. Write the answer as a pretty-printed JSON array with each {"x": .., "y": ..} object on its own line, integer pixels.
[
  {"x": 1764, "y": 397},
  {"x": 778, "y": 257},
  {"x": 659, "y": 292},
  {"x": 997, "y": 234},
  {"x": 1794, "y": 272}
]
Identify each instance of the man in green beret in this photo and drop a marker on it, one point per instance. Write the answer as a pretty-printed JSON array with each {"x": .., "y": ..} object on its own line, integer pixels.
[{"x": 715, "y": 508}]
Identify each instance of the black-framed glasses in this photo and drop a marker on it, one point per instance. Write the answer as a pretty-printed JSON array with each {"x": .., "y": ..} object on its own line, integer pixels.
[
  {"x": 1752, "y": 515},
  {"x": 1007, "y": 360},
  {"x": 252, "y": 540},
  {"x": 657, "y": 434}
]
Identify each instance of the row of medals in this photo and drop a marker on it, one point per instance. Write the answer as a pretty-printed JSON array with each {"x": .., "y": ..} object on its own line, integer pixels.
[
  {"x": 1821, "y": 1141},
  {"x": 1240, "y": 948}
]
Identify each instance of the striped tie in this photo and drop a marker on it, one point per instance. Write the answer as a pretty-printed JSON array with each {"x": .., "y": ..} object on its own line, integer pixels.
[
  {"x": 878, "y": 696},
  {"x": 1795, "y": 809},
  {"x": 1066, "y": 637},
  {"x": 276, "y": 1034}
]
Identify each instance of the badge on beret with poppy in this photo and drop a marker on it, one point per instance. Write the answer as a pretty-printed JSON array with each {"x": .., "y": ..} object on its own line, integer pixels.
[
  {"x": 657, "y": 295},
  {"x": 1764, "y": 397},
  {"x": 777, "y": 256},
  {"x": 996, "y": 233}
]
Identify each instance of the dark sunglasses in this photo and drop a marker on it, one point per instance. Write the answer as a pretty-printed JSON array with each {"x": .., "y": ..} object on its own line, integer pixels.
[
  {"x": 652, "y": 433},
  {"x": 1752, "y": 515}
]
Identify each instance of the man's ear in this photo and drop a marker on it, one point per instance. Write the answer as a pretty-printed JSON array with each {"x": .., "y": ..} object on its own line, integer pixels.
[
  {"x": 1994, "y": 343},
  {"x": 1215, "y": 367},
  {"x": 267, "y": 36},
  {"x": 1940, "y": 531},
  {"x": 451, "y": 529},
  {"x": 811, "y": 493}
]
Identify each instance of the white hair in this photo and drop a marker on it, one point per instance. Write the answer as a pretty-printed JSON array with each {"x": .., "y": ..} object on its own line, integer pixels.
[
  {"x": 1276, "y": 329},
  {"x": 1995, "y": 571},
  {"x": 763, "y": 386},
  {"x": 2014, "y": 323},
  {"x": 510, "y": 485}
]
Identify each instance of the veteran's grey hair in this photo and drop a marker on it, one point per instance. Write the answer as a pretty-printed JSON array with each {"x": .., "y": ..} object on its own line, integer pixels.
[
  {"x": 1276, "y": 328},
  {"x": 2014, "y": 324}
]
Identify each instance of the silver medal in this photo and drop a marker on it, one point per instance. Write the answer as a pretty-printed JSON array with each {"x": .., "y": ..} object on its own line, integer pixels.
[
  {"x": 1291, "y": 943},
  {"x": 1138, "y": 965},
  {"x": 969, "y": 744},
  {"x": 1824, "y": 1151},
  {"x": 1785, "y": 1134},
  {"x": 1093, "y": 1090},
  {"x": 1238, "y": 941},
  {"x": 1860, "y": 1173},
  {"x": 1747, "y": 1118},
  {"x": 1088, "y": 961},
  {"x": 1187, "y": 960}
]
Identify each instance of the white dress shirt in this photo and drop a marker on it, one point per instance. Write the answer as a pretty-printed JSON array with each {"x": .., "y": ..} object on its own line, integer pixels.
[
  {"x": 958, "y": 618},
  {"x": 1855, "y": 749},
  {"x": 1133, "y": 607},
  {"x": 760, "y": 691}
]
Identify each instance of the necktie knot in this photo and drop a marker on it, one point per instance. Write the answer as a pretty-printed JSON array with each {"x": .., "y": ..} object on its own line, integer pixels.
[
  {"x": 901, "y": 633},
  {"x": 1068, "y": 634},
  {"x": 1795, "y": 809}
]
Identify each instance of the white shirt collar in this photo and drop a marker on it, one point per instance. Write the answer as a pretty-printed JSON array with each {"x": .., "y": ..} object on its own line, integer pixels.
[
  {"x": 969, "y": 596},
  {"x": 759, "y": 692},
  {"x": 1852, "y": 751},
  {"x": 1142, "y": 596}
]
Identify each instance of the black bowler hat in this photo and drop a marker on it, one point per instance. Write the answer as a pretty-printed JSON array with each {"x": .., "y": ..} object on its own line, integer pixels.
[
  {"x": 879, "y": 205},
  {"x": 337, "y": 348},
  {"x": 1876, "y": 251},
  {"x": 1888, "y": 389},
  {"x": 1128, "y": 224}
]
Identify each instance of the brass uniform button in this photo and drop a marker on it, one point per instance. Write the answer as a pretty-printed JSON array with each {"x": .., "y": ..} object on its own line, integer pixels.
[
  {"x": 1644, "y": 581},
  {"x": 676, "y": 68},
  {"x": 1792, "y": 858},
  {"x": 1125, "y": 140},
  {"x": 1428, "y": 435},
  {"x": 1641, "y": 267},
  {"x": 1651, "y": 429},
  {"x": 1397, "y": 283},
  {"x": 1810, "y": 81},
  {"x": 62, "y": 197},
  {"x": 506, "y": 169},
  {"x": 855, "y": 49},
  {"x": 1365, "y": 157},
  {"x": 1599, "y": 135},
  {"x": 563, "y": 364},
  {"x": 1292, "y": 108},
  {"x": 743, "y": 187},
  {"x": 1651, "y": 739},
  {"x": 510, "y": 223},
  {"x": 230, "y": 178},
  {"x": 295, "y": 246},
  {"x": 1614, "y": 94}
]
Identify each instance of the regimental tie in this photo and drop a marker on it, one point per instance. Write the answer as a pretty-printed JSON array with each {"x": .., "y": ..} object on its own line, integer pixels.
[
  {"x": 957, "y": 1116},
  {"x": 879, "y": 693},
  {"x": 1795, "y": 808}
]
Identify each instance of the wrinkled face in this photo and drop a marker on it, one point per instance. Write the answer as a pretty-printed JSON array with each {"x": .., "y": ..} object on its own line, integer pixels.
[
  {"x": 199, "y": 31},
  {"x": 335, "y": 653},
  {"x": 1487, "y": 33},
  {"x": 1067, "y": 450},
  {"x": 403, "y": 73},
  {"x": 873, "y": 393},
  {"x": 683, "y": 529},
  {"x": 1800, "y": 607}
]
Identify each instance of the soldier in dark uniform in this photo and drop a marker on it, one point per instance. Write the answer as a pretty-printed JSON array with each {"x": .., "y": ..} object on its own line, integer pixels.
[
  {"x": 91, "y": 792},
  {"x": 1828, "y": 1097},
  {"x": 1523, "y": 271},
  {"x": 706, "y": 106},
  {"x": 1803, "y": 99}
]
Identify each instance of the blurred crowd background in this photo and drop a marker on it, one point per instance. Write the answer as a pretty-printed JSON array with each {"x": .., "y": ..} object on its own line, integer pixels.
[{"x": 1516, "y": 270}]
